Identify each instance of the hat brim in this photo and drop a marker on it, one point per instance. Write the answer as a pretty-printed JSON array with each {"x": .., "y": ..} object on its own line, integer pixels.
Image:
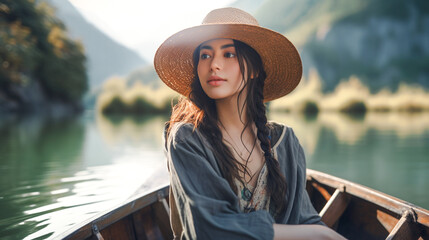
[{"x": 282, "y": 63}]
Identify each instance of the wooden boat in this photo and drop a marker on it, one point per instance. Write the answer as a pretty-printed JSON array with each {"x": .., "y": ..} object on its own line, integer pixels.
[{"x": 355, "y": 211}]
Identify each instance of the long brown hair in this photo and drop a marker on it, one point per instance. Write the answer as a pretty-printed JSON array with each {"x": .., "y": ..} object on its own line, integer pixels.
[{"x": 200, "y": 110}]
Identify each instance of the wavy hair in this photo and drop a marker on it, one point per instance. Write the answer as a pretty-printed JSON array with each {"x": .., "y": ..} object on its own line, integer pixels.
[{"x": 200, "y": 110}]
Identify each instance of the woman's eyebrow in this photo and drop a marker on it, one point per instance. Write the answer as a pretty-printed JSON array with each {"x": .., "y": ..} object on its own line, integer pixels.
[
  {"x": 227, "y": 46},
  {"x": 206, "y": 47},
  {"x": 222, "y": 47}
]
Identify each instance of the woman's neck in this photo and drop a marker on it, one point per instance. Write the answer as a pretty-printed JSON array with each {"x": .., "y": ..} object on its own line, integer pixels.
[{"x": 232, "y": 117}]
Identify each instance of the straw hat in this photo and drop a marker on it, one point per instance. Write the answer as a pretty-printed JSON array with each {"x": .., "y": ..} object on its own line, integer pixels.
[{"x": 173, "y": 59}]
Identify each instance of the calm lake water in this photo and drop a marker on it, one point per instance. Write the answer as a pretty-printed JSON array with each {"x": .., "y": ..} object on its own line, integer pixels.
[{"x": 55, "y": 173}]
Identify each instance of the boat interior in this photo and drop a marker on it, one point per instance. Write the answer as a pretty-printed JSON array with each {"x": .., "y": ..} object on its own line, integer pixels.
[{"x": 355, "y": 211}]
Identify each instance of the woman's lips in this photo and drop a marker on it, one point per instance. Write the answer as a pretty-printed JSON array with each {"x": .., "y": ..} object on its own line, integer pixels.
[{"x": 215, "y": 81}]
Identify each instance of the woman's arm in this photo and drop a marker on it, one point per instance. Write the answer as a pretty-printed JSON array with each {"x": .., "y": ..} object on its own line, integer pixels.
[
  {"x": 298, "y": 232},
  {"x": 304, "y": 221},
  {"x": 291, "y": 156}
]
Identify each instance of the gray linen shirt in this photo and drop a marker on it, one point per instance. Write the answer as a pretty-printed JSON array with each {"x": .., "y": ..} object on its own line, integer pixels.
[{"x": 204, "y": 205}]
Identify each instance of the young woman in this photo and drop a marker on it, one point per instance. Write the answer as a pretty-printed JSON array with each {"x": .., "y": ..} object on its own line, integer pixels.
[{"x": 233, "y": 174}]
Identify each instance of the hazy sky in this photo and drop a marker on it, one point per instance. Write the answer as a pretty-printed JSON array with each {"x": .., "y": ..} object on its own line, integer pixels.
[{"x": 143, "y": 25}]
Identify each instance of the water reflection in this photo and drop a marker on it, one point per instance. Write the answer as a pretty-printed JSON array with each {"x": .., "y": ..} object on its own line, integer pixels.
[
  {"x": 352, "y": 128},
  {"x": 385, "y": 151},
  {"x": 58, "y": 172},
  {"x": 402, "y": 124},
  {"x": 117, "y": 130},
  {"x": 30, "y": 149}
]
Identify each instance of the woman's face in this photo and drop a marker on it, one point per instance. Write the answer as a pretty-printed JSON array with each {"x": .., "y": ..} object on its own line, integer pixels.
[{"x": 218, "y": 69}]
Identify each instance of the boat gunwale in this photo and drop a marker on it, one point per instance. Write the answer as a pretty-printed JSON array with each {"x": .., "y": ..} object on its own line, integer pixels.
[
  {"x": 381, "y": 200},
  {"x": 378, "y": 198},
  {"x": 84, "y": 230}
]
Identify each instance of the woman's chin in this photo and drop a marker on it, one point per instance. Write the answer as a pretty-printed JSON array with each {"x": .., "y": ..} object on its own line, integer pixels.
[
  {"x": 216, "y": 95},
  {"x": 219, "y": 97}
]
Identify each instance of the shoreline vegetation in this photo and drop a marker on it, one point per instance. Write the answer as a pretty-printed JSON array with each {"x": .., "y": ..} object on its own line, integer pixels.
[
  {"x": 118, "y": 98},
  {"x": 350, "y": 97}
]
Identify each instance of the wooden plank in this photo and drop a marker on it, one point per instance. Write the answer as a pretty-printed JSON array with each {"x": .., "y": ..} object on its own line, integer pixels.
[
  {"x": 406, "y": 228},
  {"x": 381, "y": 199},
  {"x": 359, "y": 221},
  {"x": 386, "y": 220},
  {"x": 319, "y": 194},
  {"x": 104, "y": 219},
  {"x": 321, "y": 190},
  {"x": 162, "y": 217},
  {"x": 138, "y": 223},
  {"x": 122, "y": 229},
  {"x": 335, "y": 207},
  {"x": 150, "y": 227}
]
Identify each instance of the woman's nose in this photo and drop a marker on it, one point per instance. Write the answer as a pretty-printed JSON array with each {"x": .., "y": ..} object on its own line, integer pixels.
[{"x": 216, "y": 63}]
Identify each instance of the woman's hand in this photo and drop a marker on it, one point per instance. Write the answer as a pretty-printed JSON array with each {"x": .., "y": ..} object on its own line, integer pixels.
[{"x": 297, "y": 232}]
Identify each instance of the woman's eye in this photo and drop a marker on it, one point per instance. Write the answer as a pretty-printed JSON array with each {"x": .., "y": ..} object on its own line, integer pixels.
[
  {"x": 229, "y": 55},
  {"x": 204, "y": 56}
]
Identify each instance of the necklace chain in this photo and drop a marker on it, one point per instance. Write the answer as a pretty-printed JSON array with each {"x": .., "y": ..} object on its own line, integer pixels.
[{"x": 240, "y": 155}]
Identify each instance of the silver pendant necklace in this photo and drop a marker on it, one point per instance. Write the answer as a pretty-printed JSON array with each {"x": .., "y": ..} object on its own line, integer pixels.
[{"x": 246, "y": 194}]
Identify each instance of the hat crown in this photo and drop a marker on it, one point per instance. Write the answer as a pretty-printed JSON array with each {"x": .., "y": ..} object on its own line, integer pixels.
[
  {"x": 174, "y": 58},
  {"x": 229, "y": 15}
]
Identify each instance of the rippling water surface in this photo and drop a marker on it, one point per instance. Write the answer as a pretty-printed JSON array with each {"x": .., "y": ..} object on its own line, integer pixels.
[{"x": 55, "y": 173}]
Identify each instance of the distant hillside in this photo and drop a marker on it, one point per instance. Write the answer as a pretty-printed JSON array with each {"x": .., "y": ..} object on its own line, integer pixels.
[
  {"x": 42, "y": 69},
  {"x": 105, "y": 56},
  {"x": 382, "y": 42}
]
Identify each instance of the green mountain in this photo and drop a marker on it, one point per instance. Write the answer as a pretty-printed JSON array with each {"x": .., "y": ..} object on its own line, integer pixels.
[{"x": 382, "y": 42}]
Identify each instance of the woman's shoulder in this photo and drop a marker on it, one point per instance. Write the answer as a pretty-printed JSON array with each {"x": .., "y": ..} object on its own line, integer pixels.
[
  {"x": 182, "y": 132},
  {"x": 287, "y": 148},
  {"x": 280, "y": 132},
  {"x": 182, "y": 129}
]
